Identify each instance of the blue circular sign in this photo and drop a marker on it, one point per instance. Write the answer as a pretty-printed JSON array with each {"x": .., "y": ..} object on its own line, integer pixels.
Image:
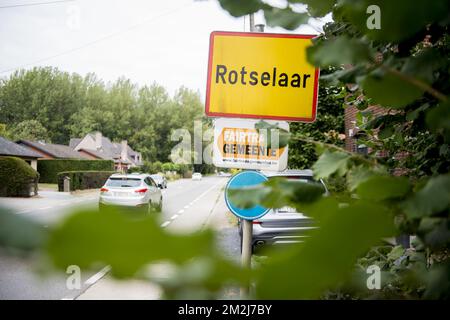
[{"x": 241, "y": 180}]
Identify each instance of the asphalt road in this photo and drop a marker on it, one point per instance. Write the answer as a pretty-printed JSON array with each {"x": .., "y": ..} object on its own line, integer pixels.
[{"x": 187, "y": 206}]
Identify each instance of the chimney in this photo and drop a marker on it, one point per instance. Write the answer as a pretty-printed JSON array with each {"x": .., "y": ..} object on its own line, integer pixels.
[
  {"x": 98, "y": 140},
  {"x": 124, "y": 151}
]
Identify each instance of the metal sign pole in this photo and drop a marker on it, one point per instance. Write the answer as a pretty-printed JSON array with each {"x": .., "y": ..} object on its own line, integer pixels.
[
  {"x": 246, "y": 259},
  {"x": 247, "y": 225}
]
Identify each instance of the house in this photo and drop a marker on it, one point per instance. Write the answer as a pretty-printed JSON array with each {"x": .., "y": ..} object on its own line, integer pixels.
[
  {"x": 11, "y": 149},
  {"x": 51, "y": 150},
  {"x": 96, "y": 146}
]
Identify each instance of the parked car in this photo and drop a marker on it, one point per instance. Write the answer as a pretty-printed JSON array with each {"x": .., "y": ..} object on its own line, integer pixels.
[
  {"x": 196, "y": 176},
  {"x": 224, "y": 174},
  {"x": 284, "y": 225},
  {"x": 136, "y": 190},
  {"x": 160, "y": 180}
]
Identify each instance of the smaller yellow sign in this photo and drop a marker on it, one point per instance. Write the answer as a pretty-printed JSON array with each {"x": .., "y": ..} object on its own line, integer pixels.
[
  {"x": 237, "y": 144},
  {"x": 261, "y": 76}
]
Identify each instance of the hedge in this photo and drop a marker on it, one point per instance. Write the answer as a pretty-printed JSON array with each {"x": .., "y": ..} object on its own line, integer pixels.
[
  {"x": 17, "y": 178},
  {"x": 48, "y": 169},
  {"x": 80, "y": 180}
]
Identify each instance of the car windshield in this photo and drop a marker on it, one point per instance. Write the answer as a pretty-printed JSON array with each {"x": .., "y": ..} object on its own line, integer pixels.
[{"x": 123, "y": 182}]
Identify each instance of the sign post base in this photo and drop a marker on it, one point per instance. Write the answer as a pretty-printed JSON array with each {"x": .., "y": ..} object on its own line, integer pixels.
[{"x": 246, "y": 259}]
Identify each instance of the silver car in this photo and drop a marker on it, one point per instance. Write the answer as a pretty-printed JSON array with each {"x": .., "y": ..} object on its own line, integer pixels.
[
  {"x": 133, "y": 190},
  {"x": 160, "y": 180},
  {"x": 285, "y": 225}
]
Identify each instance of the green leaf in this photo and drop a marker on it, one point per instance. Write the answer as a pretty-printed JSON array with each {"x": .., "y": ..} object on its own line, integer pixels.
[
  {"x": 400, "y": 19},
  {"x": 438, "y": 119},
  {"x": 276, "y": 193},
  {"x": 115, "y": 238},
  {"x": 317, "y": 8},
  {"x": 328, "y": 255},
  {"x": 266, "y": 129},
  {"x": 339, "y": 51},
  {"x": 389, "y": 90},
  {"x": 285, "y": 18},
  {"x": 18, "y": 233},
  {"x": 239, "y": 8},
  {"x": 358, "y": 175},
  {"x": 423, "y": 65},
  {"x": 386, "y": 132},
  {"x": 433, "y": 198},
  {"x": 380, "y": 188},
  {"x": 248, "y": 197},
  {"x": 329, "y": 163},
  {"x": 395, "y": 253},
  {"x": 413, "y": 115}
]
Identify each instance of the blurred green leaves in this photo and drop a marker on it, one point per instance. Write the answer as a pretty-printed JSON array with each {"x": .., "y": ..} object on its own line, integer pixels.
[
  {"x": 433, "y": 198},
  {"x": 276, "y": 193},
  {"x": 239, "y": 8},
  {"x": 438, "y": 119},
  {"x": 338, "y": 51},
  {"x": 285, "y": 18},
  {"x": 400, "y": 19},
  {"x": 379, "y": 188},
  {"x": 273, "y": 132},
  {"x": 389, "y": 90},
  {"x": 328, "y": 256},
  {"x": 317, "y": 8},
  {"x": 111, "y": 237},
  {"x": 20, "y": 234},
  {"x": 330, "y": 162}
]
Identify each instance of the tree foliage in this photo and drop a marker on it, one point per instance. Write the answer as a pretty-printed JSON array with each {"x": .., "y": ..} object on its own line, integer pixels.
[{"x": 49, "y": 104}]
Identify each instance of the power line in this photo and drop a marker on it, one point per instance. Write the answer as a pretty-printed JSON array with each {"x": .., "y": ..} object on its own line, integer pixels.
[
  {"x": 34, "y": 4},
  {"x": 152, "y": 19}
]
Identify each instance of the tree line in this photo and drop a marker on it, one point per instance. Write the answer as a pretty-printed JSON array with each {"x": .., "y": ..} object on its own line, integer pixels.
[{"x": 45, "y": 103}]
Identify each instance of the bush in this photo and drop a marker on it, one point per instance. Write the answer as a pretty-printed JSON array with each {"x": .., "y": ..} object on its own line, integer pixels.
[
  {"x": 48, "y": 169},
  {"x": 168, "y": 166},
  {"x": 17, "y": 178},
  {"x": 81, "y": 180},
  {"x": 134, "y": 169}
]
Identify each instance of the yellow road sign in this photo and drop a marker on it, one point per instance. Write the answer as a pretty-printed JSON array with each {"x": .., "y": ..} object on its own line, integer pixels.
[{"x": 262, "y": 76}]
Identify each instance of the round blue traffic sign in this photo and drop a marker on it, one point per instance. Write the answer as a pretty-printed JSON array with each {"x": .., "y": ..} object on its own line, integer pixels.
[{"x": 241, "y": 180}]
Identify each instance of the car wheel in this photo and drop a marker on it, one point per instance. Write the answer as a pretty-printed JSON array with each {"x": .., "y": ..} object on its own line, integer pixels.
[{"x": 152, "y": 208}]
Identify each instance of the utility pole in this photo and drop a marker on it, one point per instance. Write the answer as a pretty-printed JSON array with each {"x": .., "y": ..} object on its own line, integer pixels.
[{"x": 252, "y": 22}]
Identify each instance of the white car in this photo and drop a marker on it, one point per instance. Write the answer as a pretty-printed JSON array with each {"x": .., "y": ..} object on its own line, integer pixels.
[
  {"x": 136, "y": 190},
  {"x": 196, "y": 176}
]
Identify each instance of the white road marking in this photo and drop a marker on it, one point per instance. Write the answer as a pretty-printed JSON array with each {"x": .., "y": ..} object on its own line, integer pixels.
[
  {"x": 181, "y": 211},
  {"x": 174, "y": 217},
  {"x": 44, "y": 208},
  {"x": 97, "y": 276},
  {"x": 165, "y": 224},
  {"x": 185, "y": 207}
]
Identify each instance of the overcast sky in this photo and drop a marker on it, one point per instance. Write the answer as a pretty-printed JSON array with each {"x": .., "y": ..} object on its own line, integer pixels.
[{"x": 144, "y": 40}]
